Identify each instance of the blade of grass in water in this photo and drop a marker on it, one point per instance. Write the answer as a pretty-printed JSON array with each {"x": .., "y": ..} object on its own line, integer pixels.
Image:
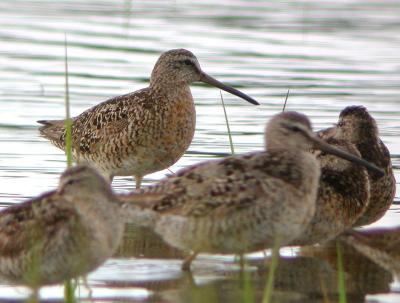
[
  {"x": 287, "y": 95},
  {"x": 248, "y": 290},
  {"x": 68, "y": 121},
  {"x": 227, "y": 125},
  {"x": 69, "y": 291},
  {"x": 341, "y": 281},
  {"x": 127, "y": 14},
  {"x": 69, "y": 287},
  {"x": 270, "y": 279}
]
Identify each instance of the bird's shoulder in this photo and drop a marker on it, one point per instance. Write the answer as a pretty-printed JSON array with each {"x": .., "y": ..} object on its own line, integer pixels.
[
  {"x": 118, "y": 116},
  {"x": 28, "y": 224},
  {"x": 113, "y": 110}
]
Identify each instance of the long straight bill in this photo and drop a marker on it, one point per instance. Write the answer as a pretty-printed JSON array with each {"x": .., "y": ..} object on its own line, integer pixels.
[
  {"x": 214, "y": 82},
  {"x": 325, "y": 147}
]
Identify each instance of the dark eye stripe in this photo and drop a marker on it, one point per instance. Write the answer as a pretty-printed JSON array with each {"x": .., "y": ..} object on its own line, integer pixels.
[
  {"x": 295, "y": 129},
  {"x": 188, "y": 62}
]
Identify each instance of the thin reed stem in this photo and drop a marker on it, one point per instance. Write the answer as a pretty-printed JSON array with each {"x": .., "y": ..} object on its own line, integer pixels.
[
  {"x": 287, "y": 96},
  {"x": 341, "y": 278},
  {"x": 248, "y": 290},
  {"x": 69, "y": 292},
  {"x": 69, "y": 288},
  {"x": 68, "y": 121},
  {"x": 271, "y": 273},
  {"x": 227, "y": 124}
]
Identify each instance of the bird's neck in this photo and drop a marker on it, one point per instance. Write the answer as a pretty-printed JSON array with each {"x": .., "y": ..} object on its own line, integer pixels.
[
  {"x": 102, "y": 205},
  {"x": 171, "y": 91}
]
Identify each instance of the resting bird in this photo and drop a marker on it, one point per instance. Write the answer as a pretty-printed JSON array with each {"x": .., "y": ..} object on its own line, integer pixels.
[
  {"x": 60, "y": 234},
  {"x": 343, "y": 196},
  {"x": 241, "y": 203},
  {"x": 358, "y": 127}
]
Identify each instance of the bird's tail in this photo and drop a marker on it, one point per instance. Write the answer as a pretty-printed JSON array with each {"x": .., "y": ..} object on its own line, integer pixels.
[{"x": 53, "y": 130}]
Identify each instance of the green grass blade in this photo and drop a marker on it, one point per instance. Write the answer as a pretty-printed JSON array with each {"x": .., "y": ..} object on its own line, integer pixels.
[
  {"x": 341, "y": 278},
  {"x": 69, "y": 288},
  {"x": 248, "y": 290},
  {"x": 68, "y": 121},
  {"x": 227, "y": 125},
  {"x": 287, "y": 96},
  {"x": 270, "y": 279},
  {"x": 69, "y": 292}
]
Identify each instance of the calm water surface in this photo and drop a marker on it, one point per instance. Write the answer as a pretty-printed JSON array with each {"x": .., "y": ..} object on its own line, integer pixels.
[{"x": 330, "y": 54}]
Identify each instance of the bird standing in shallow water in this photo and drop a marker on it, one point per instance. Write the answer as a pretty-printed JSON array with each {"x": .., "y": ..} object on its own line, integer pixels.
[
  {"x": 343, "y": 196},
  {"x": 358, "y": 127},
  {"x": 144, "y": 131},
  {"x": 240, "y": 203},
  {"x": 61, "y": 234}
]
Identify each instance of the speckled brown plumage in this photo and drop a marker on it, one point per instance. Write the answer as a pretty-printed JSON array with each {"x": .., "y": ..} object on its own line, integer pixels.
[
  {"x": 60, "y": 234},
  {"x": 144, "y": 131},
  {"x": 357, "y": 126},
  {"x": 343, "y": 196},
  {"x": 240, "y": 203}
]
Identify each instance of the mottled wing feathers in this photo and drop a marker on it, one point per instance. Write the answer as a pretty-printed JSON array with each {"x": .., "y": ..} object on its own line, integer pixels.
[
  {"x": 143, "y": 200},
  {"x": 222, "y": 186},
  {"x": 25, "y": 226},
  {"x": 98, "y": 124}
]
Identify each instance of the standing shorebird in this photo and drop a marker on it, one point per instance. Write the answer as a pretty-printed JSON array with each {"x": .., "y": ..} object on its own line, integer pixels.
[
  {"x": 144, "y": 131},
  {"x": 343, "y": 196},
  {"x": 240, "y": 203},
  {"x": 358, "y": 127},
  {"x": 61, "y": 234}
]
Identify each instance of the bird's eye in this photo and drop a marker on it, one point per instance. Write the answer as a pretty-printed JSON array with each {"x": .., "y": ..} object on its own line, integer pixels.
[
  {"x": 187, "y": 62},
  {"x": 340, "y": 124},
  {"x": 292, "y": 127},
  {"x": 71, "y": 181}
]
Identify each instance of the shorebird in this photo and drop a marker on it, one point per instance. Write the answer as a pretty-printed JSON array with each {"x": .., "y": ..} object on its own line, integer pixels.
[
  {"x": 60, "y": 234},
  {"x": 240, "y": 203},
  {"x": 144, "y": 131},
  {"x": 343, "y": 196},
  {"x": 357, "y": 126}
]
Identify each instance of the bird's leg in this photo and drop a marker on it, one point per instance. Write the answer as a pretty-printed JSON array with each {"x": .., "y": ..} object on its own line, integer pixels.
[
  {"x": 188, "y": 261},
  {"x": 191, "y": 280},
  {"x": 241, "y": 261},
  {"x": 138, "y": 180},
  {"x": 86, "y": 284}
]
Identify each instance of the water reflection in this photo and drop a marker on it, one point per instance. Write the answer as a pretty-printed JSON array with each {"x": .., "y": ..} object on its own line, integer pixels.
[
  {"x": 380, "y": 245},
  {"x": 310, "y": 277}
]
